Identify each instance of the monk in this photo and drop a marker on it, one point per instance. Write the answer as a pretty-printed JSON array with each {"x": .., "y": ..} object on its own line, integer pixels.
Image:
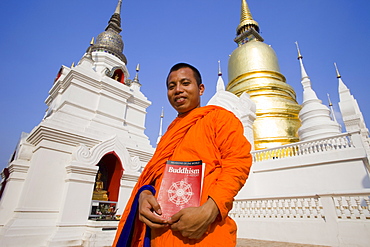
[{"x": 211, "y": 134}]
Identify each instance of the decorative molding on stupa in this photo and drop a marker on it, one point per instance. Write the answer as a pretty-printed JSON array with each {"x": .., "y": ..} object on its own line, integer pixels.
[{"x": 315, "y": 117}]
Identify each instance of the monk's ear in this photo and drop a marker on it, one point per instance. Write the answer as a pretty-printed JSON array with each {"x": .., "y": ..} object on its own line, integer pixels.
[{"x": 201, "y": 89}]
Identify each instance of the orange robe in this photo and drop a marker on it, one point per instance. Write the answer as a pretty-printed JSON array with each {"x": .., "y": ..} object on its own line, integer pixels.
[{"x": 215, "y": 136}]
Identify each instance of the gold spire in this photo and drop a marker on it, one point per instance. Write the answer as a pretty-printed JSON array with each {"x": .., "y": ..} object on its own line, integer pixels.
[
  {"x": 92, "y": 41},
  {"x": 245, "y": 13},
  {"x": 253, "y": 68},
  {"x": 246, "y": 19}
]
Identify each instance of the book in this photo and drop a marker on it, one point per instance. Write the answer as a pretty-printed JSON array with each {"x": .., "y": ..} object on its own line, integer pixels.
[{"x": 181, "y": 186}]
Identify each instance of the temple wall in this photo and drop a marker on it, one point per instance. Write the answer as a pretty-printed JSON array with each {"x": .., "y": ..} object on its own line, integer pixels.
[{"x": 313, "y": 192}]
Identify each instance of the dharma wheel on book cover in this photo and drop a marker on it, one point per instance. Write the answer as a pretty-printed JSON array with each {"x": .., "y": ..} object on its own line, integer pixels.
[{"x": 180, "y": 193}]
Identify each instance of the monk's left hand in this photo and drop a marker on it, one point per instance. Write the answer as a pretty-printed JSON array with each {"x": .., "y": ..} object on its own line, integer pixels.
[{"x": 193, "y": 222}]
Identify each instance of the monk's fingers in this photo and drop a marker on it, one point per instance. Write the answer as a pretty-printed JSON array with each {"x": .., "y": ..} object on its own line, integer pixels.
[
  {"x": 154, "y": 205},
  {"x": 150, "y": 217},
  {"x": 149, "y": 210},
  {"x": 176, "y": 222},
  {"x": 189, "y": 222},
  {"x": 153, "y": 221},
  {"x": 187, "y": 233},
  {"x": 148, "y": 202},
  {"x": 176, "y": 226},
  {"x": 176, "y": 217}
]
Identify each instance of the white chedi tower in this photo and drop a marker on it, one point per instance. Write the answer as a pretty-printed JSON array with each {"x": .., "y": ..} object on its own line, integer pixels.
[
  {"x": 315, "y": 117},
  {"x": 88, "y": 151},
  {"x": 243, "y": 107},
  {"x": 351, "y": 113}
]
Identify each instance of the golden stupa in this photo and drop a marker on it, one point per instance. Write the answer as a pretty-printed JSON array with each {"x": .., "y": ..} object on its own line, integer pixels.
[{"x": 254, "y": 68}]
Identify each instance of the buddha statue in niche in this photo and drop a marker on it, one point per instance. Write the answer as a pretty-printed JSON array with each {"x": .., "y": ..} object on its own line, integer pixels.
[{"x": 99, "y": 193}]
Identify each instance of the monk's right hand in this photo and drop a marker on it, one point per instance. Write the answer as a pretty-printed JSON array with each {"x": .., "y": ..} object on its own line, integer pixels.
[{"x": 149, "y": 210}]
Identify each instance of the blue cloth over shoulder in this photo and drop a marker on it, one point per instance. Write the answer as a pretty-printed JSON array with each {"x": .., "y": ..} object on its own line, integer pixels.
[{"x": 128, "y": 229}]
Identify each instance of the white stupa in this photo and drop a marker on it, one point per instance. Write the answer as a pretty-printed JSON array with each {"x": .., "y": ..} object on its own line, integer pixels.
[
  {"x": 314, "y": 116},
  {"x": 79, "y": 164}
]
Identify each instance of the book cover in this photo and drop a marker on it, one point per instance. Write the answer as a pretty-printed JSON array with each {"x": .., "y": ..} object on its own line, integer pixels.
[{"x": 181, "y": 186}]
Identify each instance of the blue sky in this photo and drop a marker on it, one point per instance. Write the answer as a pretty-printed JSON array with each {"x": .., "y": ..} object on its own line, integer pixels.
[{"x": 39, "y": 36}]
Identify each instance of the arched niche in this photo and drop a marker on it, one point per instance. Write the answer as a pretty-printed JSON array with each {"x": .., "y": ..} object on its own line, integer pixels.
[
  {"x": 116, "y": 73},
  {"x": 108, "y": 177},
  {"x": 119, "y": 76},
  {"x": 112, "y": 152}
]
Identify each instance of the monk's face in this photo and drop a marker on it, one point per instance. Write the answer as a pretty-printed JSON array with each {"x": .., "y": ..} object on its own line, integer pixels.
[{"x": 183, "y": 92}]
